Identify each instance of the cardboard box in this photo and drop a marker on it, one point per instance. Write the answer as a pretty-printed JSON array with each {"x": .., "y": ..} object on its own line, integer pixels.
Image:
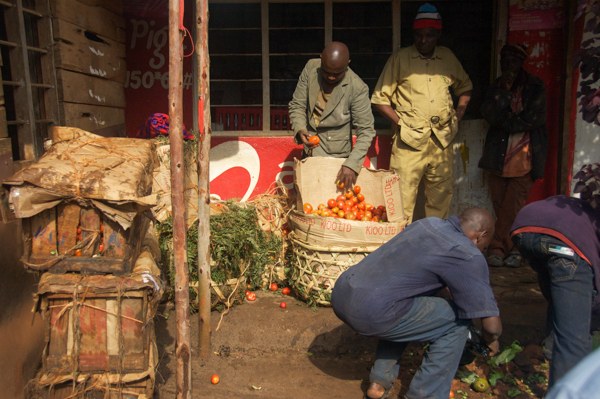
[{"x": 314, "y": 179}]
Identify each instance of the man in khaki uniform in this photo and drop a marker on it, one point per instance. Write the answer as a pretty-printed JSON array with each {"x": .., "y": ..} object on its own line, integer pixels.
[
  {"x": 328, "y": 101},
  {"x": 413, "y": 91}
]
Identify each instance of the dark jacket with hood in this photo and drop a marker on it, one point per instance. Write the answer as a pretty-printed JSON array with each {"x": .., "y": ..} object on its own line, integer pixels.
[{"x": 496, "y": 110}]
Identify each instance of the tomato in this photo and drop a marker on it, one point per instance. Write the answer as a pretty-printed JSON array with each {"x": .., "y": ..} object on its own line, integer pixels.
[
  {"x": 451, "y": 395},
  {"x": 314, "y": 140},
  {"x": 101, "y": 248},
  {"x": 361, "y": 206},
  {"x": 78, "y": 229},
  {"x": 250, "y": 285},
  {"x": 349, "y": 194},
  {"x": 384, "y": 217},
  {"x": 376, "y": 212},
  {"x": 331, "y": 203},
  {"x": 340, "y": 184},
  {"x": 102, "y": 228},
  {"x": 335, "y": 210},
  {"x": 347, "y": 209},
  {"x": 335, "y": 215},
  {"x": 321, "y": 206},
  {"x": 286, "y": 291},
  {"x": 284, "y": 232},
  {"x": 341, "y": 197},
  {"x": 78, "y": 237},
  {"x": 341, "y": 214},
  {"x": 369, "y": 214},
  {"x": 381, "y": 208},
  {"x": 360, "y": 197},
  {"x": 248, "y": 292},
  {"x": 369, "y": 207},
  {"x": 351, "y": 216},
  {"x": 349, "y": 203},
  {"x": 308, "y": 208},
  {"x": 341, "y": 204},
  {"x": 360, "y": 215},
  {"x": 325, "y": 213},
  {"x": 283, "y": 305},
  {"x": 316, "y": 213},
  {"x": 78, "y": 252},
  {"x": 251, "y": 296},
  {"x": 375, "y": 219},
  {"x": 364, "y": 219},
  {"x": 214, "y": 379},
  {"x": 354, "y": 200},
  {"x": 356, "y": 189}
]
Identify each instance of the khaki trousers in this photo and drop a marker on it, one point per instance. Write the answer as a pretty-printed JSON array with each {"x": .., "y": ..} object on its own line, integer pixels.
[{"x": 433, "y": 163}]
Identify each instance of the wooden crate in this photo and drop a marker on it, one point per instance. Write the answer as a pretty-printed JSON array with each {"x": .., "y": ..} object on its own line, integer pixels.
[
  {"x": 93, "y": 331},
  {"x": 51, "y": 241},
  {"x": 100, "y": 324},
  {"x": 143, "y": 389}
]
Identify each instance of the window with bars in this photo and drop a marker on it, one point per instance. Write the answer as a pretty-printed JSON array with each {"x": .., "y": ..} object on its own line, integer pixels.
[
  {"x": 258, "y": 50},
  {"x": 28, "y": 75}
]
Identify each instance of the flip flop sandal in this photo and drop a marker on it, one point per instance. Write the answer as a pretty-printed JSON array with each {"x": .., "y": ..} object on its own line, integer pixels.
[{"x": 386, "y": 395}]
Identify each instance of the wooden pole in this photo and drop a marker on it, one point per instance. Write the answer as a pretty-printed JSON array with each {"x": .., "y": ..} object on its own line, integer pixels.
[
  {"x": 204, "y": 129},
  {"x": 182, "y": 290}
]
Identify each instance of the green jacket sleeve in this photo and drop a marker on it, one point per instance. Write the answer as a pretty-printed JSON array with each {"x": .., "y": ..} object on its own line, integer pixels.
[
  {"x": 363, "y": 122},
  {"x": 299, "y": 104}
]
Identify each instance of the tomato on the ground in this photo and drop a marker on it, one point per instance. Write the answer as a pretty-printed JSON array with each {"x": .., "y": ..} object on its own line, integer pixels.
[
  {"x": 273, "y": 287},
  {"x": 286, "y": 291},
  {"x": 214, "y": 379},
  {"x": 283, "y": 305}
]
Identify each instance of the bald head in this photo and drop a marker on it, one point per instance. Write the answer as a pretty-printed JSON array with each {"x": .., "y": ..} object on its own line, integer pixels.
[
  {"x": 336, "y": 53},
  {"x": 334, "y": 62},
  {"x": 478, "y": 225}
]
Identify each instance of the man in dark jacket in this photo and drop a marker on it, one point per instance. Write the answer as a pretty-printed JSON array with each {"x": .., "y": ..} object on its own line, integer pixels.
[
  {"x": 515, "y": 146},
  {"x": 559, "y": 238},
  {"x": 391, "y": 295}
]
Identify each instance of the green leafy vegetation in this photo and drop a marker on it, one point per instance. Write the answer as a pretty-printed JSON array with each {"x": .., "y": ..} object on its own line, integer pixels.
[
  {"x": 237, "y": 246},
  {"x": 506, "y": 356}
]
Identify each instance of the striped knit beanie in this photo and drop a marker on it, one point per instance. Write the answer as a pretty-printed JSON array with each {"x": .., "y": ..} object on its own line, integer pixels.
[
  {"x": 516, "y": 49},
  {"x": 428, "y": 16}
]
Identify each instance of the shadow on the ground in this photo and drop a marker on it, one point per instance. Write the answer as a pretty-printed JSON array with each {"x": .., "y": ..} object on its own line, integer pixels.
[{"x": 166, "y": 345}]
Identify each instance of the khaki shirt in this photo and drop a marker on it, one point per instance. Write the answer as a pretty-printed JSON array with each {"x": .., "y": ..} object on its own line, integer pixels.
[{"x": 418, "y": 89}]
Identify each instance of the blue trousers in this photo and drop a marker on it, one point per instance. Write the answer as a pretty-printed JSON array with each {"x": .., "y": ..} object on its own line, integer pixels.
[
  {"x": 566, "y": 281},
  {"x": 430, "y": 319}
]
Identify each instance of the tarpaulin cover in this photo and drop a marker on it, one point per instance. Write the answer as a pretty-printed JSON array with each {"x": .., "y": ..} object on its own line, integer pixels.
[{"x": 112, "y": 173}]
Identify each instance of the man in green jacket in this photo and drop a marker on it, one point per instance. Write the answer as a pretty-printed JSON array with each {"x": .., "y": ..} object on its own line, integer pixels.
[{"x": 328, "y": 101}]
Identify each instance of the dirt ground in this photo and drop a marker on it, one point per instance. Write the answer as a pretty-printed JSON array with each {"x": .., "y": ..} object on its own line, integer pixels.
[{"x": 263, "y": 351}]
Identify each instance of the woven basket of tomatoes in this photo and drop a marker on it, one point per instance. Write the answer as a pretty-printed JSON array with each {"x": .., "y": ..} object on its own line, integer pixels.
[
  {"x": 335, "y": 227},
  {"x": 317, "y": 268}
]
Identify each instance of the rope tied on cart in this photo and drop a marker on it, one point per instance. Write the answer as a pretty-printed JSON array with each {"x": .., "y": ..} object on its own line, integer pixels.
[{"x": 90, "y": 240}]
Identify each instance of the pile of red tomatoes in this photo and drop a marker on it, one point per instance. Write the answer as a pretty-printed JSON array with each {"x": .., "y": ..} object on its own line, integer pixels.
[{"x": 351, "y": 206}]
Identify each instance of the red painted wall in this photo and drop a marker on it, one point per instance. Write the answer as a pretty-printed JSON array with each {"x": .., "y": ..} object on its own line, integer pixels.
[
  {"x": 247, "y": 166},
  {"x": 542, "y": 32}
]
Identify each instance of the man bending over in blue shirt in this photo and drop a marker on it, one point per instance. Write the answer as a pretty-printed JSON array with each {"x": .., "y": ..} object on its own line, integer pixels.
[{"x": 391, "y": 295}]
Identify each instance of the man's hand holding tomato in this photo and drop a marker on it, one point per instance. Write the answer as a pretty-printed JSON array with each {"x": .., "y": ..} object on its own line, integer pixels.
[
  {"x": 305, "y": 137},
  {"x": 346, "y": 178}
]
